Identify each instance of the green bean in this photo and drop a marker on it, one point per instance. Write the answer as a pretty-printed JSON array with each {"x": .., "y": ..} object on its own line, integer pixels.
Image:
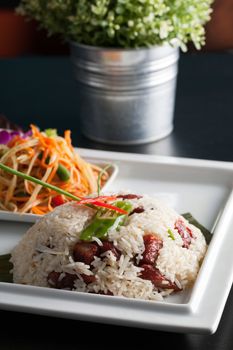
[{"x": 63, "y": 173}]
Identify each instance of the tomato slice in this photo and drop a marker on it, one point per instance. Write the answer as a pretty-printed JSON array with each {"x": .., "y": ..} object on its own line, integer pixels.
[{"x": 57, "y": 200}]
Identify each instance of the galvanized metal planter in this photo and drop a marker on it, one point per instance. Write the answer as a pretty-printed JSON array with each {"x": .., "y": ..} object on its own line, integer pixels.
[{"x": 125, "y": 96}]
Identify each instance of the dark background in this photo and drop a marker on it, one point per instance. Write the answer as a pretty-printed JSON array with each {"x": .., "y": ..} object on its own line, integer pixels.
[
  {"x": 42, "y": 90},
  {"x": 9, "y": 3}
]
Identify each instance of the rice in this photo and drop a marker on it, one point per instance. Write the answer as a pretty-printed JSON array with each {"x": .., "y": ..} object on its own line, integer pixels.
[{"x": 45, "y": 254}]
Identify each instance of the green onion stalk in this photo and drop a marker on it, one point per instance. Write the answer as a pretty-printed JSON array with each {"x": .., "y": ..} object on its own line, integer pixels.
[
  {"x": 37, "y": 181},
  {"x": 103, "y": 220}
]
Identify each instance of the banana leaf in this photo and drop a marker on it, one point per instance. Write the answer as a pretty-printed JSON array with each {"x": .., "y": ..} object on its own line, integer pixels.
[
  {"x": 206, "y": 233},
  {"x": 5, "y": 268}
]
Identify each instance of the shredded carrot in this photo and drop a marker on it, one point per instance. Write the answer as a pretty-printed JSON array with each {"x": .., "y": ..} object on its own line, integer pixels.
[
  {"x": 42, "y": 156},
  {"x": 67, "y": 136},
  {"x": 53, "y": 173},
  {"x": 16, "y": 140},
  {"x": 97, "y": 199}
]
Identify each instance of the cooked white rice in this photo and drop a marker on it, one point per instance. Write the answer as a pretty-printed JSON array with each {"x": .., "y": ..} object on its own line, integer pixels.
[{"x": 48, "y": 246}]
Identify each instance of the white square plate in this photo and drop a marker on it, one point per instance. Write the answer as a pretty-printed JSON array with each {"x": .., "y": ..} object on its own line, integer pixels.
[{"x": 201, "y": 187}]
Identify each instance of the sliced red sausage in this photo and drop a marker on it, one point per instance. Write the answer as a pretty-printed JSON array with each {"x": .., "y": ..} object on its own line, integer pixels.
[
  {"x": 85, "y": 252},
  {"x": 88, "y": 278},
  {"x": 129, "y": 196},
  {"x": 52, "y": 278},
  {"x": 184, "y": 231},
  {"x": 67, "y": 282},
  {"x": 152, "y": 247},
  {"x": 110, "y": 246},
  {"x": 137, "y": 210},
  {"x": 152, "y": 274}
]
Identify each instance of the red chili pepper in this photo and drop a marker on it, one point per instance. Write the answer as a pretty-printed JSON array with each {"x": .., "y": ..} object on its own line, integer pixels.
[
  {"x": 57, "y": 200},
  {"x": 109, "y": 206},
  {"x": 98, "y": 202},
  {"x": 94, "y": 199}
]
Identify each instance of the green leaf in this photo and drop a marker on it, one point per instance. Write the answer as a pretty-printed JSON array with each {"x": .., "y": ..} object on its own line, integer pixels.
[
  {"x": 207, "y": 234},
  {"x": 122, "y": 23},
  {"x": 5, "y": 268}
]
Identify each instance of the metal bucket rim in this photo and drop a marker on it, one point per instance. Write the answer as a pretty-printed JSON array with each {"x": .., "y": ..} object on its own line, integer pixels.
[{"x": 122, "y": 49}]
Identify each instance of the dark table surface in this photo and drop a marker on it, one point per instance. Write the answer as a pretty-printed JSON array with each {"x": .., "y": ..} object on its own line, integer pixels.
[{"x": 41, "y": 90}]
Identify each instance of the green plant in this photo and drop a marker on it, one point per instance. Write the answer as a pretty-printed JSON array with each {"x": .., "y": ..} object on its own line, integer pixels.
[{"x": 122, "y": 23}]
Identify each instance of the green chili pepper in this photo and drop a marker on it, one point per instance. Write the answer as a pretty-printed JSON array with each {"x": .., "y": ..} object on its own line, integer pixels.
[{"x": 104, "y": 220}]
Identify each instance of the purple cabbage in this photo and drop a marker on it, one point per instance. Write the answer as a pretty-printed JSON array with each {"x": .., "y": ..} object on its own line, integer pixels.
[{"x": 7, "y": 135}]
